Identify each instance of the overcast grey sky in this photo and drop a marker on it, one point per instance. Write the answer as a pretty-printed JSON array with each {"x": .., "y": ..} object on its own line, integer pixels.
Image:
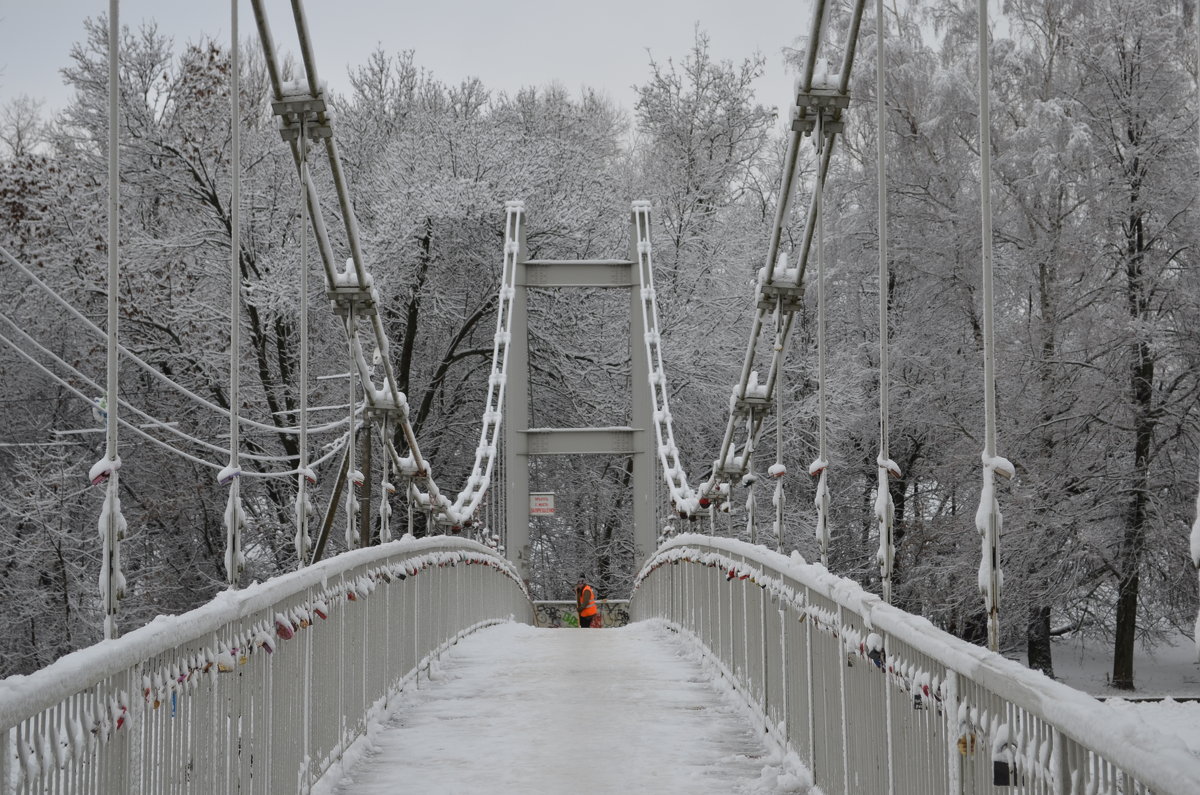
[{"x": 506, "y": 43}]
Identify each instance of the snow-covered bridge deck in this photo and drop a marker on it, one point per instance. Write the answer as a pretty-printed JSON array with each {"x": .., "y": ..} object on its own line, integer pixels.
[{"x": 519, "y": 709}]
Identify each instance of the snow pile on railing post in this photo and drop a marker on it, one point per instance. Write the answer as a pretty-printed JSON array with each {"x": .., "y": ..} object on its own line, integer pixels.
[
  {"x": 990, "y": 524},
  {"x": 821, "y": 500},
  {"x": 112, "y": 528},
  {"x": 235, "y": 527},
  {"x": 1196, "y": 562},
  {"x": 885, "y": 514}
]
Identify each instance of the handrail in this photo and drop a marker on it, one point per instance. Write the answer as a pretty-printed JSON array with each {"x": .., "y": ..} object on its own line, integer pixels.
[
  {"x": 930, "y": 712},
  {"x": 260, "y": 689}
]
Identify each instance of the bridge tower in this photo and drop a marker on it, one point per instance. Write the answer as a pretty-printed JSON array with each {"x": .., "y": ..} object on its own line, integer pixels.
[{"x": 521, "y": 443}]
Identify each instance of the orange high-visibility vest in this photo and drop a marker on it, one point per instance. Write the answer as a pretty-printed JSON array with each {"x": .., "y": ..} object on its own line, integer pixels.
[{"x": 587, "y": 602}]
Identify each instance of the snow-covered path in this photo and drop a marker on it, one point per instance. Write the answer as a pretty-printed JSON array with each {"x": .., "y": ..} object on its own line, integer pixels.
[{"x": 514, "y": 709}]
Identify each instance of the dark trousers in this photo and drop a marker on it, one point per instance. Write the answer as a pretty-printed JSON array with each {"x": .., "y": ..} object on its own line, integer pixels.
[{"x": 585, "y": 621}]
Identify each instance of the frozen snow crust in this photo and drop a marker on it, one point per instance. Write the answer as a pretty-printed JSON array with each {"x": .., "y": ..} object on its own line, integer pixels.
[{"x": 1159, "y": 761}]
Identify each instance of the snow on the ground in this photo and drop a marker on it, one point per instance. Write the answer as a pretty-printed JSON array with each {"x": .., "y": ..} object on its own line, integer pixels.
[
  {"x": 1168, "y": 672},
  {"x": 514, "y": 708},
  {"x": 1169, "y": 669}
]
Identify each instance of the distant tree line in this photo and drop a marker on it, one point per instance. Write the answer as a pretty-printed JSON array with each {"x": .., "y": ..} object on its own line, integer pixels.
[{"x": 1098, "y": 301}]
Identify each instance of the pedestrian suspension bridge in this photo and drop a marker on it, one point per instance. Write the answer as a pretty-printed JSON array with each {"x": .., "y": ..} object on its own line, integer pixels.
[{"x": 266, "y": 688}]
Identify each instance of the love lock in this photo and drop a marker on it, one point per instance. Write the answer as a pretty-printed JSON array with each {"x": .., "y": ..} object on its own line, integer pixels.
[{"x": 1004, "y": 773}]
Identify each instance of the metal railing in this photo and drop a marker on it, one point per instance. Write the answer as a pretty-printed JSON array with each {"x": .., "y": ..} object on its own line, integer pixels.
[
  {"x": 875, "y": 700},
  {"x": 555, "y": 613},
  {"x": 260, "y": 690}
]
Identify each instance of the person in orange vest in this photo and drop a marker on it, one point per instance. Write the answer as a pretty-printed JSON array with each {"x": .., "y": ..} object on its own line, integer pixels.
[{"x": 585, "y": 602}]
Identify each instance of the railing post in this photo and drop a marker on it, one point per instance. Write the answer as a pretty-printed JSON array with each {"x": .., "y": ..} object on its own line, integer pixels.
[
  {"x": 8, "y": 754},
  {"x": 764, "y": 602},
  {"x": 785, "y": 679},
  {"x": 812, "y": 720},
  {"x": 954, "y": 762},
  {"x": 887, "y": 701},
  {"x": 1060, "y": 766},
  {"x": 841, "y": 666}
]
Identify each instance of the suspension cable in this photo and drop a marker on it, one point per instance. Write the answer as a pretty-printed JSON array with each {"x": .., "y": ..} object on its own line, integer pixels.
[
  {"x": 235, "y": 516},
  {"x": 988, "y": 520},
  {"x": 112, "y": 523},
  {"x": 168, "y": 428},
  {"x": 334, "y": 447},
  {"x": 884, "y": 508},
  {"x": 820, "y": 466},
  {"x": 304, "y": 506},
  {"x": 751, "y": 399},
  {"x": 778, "y": 470},
  {"x": 146, "y": 367},
  {"x": 352, "y": 475},
  {"x": 1195, "y": 538},
  {"x": 386, "y": 488},
  {"x": 729, "y": 463}
]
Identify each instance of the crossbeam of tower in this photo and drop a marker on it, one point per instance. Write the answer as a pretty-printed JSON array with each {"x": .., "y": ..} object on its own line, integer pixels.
[{"x": 523, "y": 443}]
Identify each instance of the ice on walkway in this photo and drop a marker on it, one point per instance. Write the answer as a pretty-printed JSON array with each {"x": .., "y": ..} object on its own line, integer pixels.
[{"x": 518, "y": 709}]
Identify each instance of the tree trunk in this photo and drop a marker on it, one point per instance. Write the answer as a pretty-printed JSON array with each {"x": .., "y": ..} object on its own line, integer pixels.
[
  {"x": 1037, "y": 638},
  {"x": 1129, "y": 558},
  {"x": 1038, "y": 651}
]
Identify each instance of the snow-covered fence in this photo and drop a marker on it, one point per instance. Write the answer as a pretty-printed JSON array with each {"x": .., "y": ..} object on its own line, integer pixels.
[
  {"x": 877, "y": 700},
  {"x": 259, "y": 690}
]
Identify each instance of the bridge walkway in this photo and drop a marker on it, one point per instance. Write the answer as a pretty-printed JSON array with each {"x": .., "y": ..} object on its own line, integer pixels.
[{"x": 520, "y": 709}]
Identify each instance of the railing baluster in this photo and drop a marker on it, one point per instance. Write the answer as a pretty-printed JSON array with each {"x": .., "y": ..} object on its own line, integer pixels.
[
  {"x": 924, "y": 717},
  {"x": 255, "y": 692}
]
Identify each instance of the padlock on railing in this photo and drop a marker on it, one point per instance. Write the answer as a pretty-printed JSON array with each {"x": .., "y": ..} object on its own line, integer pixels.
[{"x": 1004, "y": 772}]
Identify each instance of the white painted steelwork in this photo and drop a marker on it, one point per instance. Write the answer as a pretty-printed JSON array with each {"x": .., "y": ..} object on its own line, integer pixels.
[
  {"x": 302, "y": 112},
  {"x": 885, "y": 509},
  {"x": 260, "y": 690},
  {"x": 521, "y": 442},
  {"x": 780, "y": 285},
  {"x": 819, "y": 102},
  {"x": 874, "y": 699},
  {"x": 112, "y": 522}
]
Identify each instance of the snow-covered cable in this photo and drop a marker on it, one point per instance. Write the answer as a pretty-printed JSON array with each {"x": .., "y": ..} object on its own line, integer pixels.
[
  {"x": 990, "y": 576},
  {"x": 820, "y": 467},
  {"x": 385, "y": 491},
  {"x": 166, "y": 427},
  {"x": 304, "y": 507},
  {"x": 1195, "y": 539},
  {"x": 734, "y": 458},
  {"x": 683, "y": 499},
  {"x": 728, "y": 453},
  {"x": 334, "y": 448},
  {"x": 386, "y": 396},
  {"x": 148, "y": 368},
  {"x": 352, "y": 475},
  {"x": 235, "y": 516},
  {"x": 482, "y": 472},
  {"x": 884, "y": 508},
  {"x": 778, "y": 470},
  {"x": 1195, "y": 549},
  {"x": 112, "y": 523}
]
